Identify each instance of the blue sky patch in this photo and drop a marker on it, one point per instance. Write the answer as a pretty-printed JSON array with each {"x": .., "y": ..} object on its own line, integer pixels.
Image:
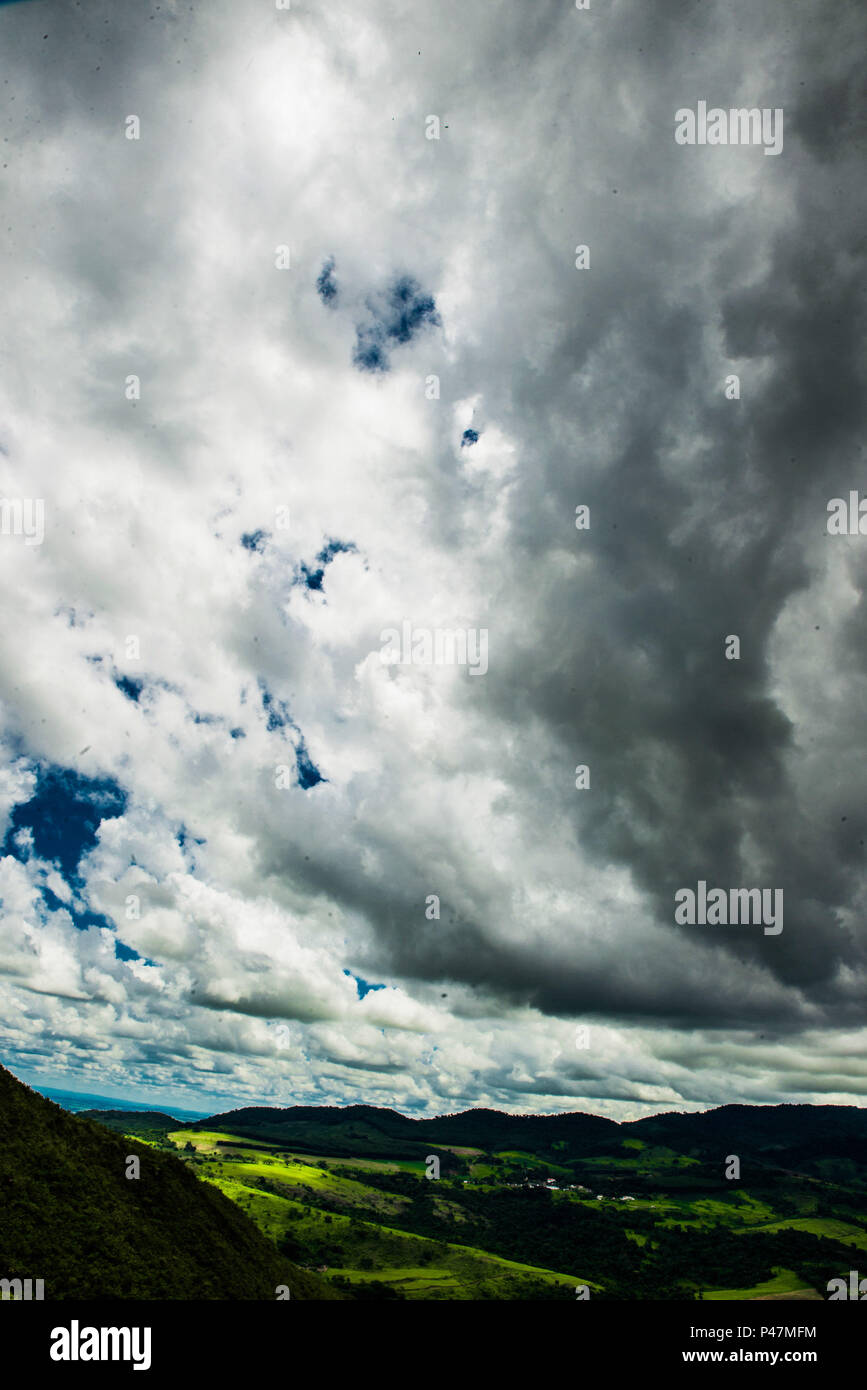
[
  {"x": 64, "y": 816},
  {"x": 184, "y": 838},
  {"x": 308, "y": 773},
  {"x": 124, "y": 952},
  {"x": 369, "y": 354},
  {"x": 279, "y": 718},
  {"x": 51, "y": 900},
  {"x": 129, "y": 686},
  {"x": 133, "y": 687},
  {"x": 276, "y": 710},
  {"x": 326, "y": 285},
  {"x": 255, "y": 540},
  {"x": 312, "y": 576},
  {"x": 362, "y": 985},
  {"x": 394, "y": 317},
  {"x": 82, "y": 916}
]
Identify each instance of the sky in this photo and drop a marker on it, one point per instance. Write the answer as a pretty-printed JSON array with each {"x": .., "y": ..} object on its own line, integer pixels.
[{"x": 300, "y": 349}]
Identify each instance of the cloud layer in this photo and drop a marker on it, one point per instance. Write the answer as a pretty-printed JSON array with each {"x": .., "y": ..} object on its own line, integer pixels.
[{"x": 288, "y": 373}]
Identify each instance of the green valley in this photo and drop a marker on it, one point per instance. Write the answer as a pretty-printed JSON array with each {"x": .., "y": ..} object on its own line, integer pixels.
[{"x": 535, "y": 1207}]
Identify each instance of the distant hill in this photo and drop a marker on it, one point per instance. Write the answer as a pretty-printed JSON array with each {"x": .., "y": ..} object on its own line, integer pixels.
[
  {"x": 775, "y": 1133},
  {"x": 575, "y": 1133},
  {"x": 70, "y": 1216},
  {"x": 353, "y": 1131},
  {"x": 77, "y": 1101},
  {"x": 822, "y": 1140},
  {"x": 148, "y": 1123},
  {"x": 369, "y": 1131},
  {"x": 762, "y": 1126}
]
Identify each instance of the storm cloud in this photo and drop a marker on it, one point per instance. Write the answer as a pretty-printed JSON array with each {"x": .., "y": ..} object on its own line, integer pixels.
[{"x": 290, "y": 364}]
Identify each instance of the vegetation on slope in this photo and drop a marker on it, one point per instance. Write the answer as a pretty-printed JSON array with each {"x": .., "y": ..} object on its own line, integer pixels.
[{"x": 71, "y": 1216}]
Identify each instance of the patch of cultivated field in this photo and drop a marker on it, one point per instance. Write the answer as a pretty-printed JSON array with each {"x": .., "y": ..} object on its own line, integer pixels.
[
  {"x": 639, "y": 1163},
  {"x": 518, "y": 1158},
  {"x": 460, "y": 1272},
  {"x": 752, "y": 1210},
  {"x": 206, "y": 1141},
  {"x": 785, "y": 1281},
  {"x": 368, "y": 1165},
  {"x": 263, "y": 1207},
  {"x": 412, "y": 1282},
  {"x": 819, "y": 1226},
  {"x": 299, "y": 1177},
  {"x": 742, "y": 1211}
]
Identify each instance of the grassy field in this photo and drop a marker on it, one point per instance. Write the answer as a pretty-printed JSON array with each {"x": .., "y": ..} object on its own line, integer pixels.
[
  {"x": 415, "y": 1266},
  {"x": 741, "y": 1211},
  {"x": 300, "y": 1177},
  {"x": 207, "y": 1140},
  {"x": 821, "y": 1226},
  {"x": 648, "y": 1160},
  {"x": 783, "y": 1282}
]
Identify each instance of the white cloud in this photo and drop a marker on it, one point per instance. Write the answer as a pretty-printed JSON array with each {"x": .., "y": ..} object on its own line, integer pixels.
[{"x": 306, "y": 128}]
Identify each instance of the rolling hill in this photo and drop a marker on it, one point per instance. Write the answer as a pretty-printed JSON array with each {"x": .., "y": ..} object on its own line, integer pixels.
[
  {"x": 69, "y": 1215},
  {"x": 774, "y": 1134}
]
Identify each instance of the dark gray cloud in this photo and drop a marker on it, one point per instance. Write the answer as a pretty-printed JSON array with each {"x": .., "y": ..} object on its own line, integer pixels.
[{"x": 468, "y": 388}]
